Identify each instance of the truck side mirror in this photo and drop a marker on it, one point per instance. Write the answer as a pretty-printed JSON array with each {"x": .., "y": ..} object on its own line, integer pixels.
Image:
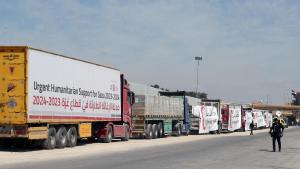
[{"x": 132, "y": 98}]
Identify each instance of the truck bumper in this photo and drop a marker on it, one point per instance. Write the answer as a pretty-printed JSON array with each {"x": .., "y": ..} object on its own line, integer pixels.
[
  {"x": 23, "y": 131},
  {"x": 224, "y": 126},
  {"x": 13, "y": 131}
]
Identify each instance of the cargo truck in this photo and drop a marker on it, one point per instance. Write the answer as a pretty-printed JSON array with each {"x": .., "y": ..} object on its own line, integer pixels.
[
  {"x": 248, "y": 117},
  {"x": 56, "y": 100},
  {"x": 232, "y": 117},
  {"x": 258, "y": 118},
  {"x": 206, "y": 117},
  {"x": 154, "y": 114},
  {"x": 225, "y": 117},
  {"x": 186, "y": 102}
]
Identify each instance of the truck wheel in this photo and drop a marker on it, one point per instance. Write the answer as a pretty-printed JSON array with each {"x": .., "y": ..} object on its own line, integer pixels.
[
  {"x": 109, "y": 136},
  {"x": 160, "y": 130},
  {"x": 178, "y": 130},
  {"x": 149, "y": 131},
  {"x": 50, "y": 142},
  {"x": 126, "y": 138},
  {"x": 219, "y": 128},
  {"x": 61, "y": 137},
  {"x": 219, "y": 131},
  {"x": 72, "y": 137},
  {"x": 154, "y": 131}
]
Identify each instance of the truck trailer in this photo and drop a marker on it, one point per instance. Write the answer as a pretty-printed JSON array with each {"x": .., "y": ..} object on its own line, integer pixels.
[
  {"x": 56, "y": 100},
  {"x": 187, "y": 102},
  {"x": 154, "y": 114},
  {"x": 206, "y": 117},
  {"x": 232, "y": 117}
]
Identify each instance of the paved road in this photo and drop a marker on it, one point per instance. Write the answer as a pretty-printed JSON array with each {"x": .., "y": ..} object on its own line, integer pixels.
[{"x": 248, "y": 152}]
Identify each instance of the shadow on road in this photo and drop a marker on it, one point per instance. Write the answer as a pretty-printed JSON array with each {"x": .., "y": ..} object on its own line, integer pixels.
[
  {"x": 265, "y": 150},
  {"x": 13, "y": 148},
  {"x": 23, "y": 146}
]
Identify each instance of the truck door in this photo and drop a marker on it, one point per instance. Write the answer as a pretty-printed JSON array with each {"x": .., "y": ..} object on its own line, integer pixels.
[{"x": 13, "y": 85}]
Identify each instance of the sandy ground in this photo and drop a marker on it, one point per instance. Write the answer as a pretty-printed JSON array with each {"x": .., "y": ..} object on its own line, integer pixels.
[{"x": 31, "y": 155}]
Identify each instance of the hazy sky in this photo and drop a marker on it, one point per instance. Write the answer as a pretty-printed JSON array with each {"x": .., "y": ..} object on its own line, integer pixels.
[{"x": 250, "y": 49}]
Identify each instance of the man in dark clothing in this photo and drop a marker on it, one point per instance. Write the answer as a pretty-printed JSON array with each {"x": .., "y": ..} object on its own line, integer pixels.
[
  {"x": 251, "y": 127},
  {"x": 276, "y": 131}
]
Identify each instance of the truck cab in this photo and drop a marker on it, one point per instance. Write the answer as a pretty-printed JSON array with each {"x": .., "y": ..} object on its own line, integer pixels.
[
  {"x": 106, "y": 131},
  {"x": 127, "y": 101},
  {"x": 225, "y": 116}
]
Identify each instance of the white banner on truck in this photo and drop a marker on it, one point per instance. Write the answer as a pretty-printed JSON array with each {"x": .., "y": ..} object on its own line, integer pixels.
[
  {"x": 248, "y": 121},
  {"x": 198, "y": 112},
  {"x": 64, "y": 88},
  {"x": 268, "y": 118},
  {"x": 208, "y": 118},
  {"x": 255, "y": 117},
  {"x": 260, "y": 118},
  {"x": 212, "y": 118},
  {"x": 235, "y": 119}
]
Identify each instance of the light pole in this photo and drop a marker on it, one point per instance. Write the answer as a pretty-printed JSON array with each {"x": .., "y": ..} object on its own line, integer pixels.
[{"x": 198, "y": 59}]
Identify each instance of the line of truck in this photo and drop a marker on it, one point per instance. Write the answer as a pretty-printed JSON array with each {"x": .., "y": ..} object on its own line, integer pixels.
[{"x": 55, "y": 100}]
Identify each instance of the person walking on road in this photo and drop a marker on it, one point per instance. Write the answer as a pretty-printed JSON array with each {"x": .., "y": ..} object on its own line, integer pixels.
[
  {"x": 276, "y": 132},
  {"x": 251, "y": 127}
]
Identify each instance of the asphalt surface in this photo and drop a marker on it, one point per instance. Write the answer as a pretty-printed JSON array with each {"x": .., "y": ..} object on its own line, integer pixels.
[{"x": 236, "y": 152}]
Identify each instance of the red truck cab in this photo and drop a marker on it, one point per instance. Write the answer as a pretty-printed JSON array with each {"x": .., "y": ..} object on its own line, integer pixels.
[
  {"x": 225, "y": 116},
  {"x": 107, "y": 131}
]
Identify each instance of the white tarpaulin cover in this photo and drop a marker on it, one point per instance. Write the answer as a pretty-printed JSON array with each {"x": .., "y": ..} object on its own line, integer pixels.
[
  {"x": 259, "y": 118},
  {"x": 193, "y": 101},
  {"x": 158, "y": 105},
  {"x": 235, "y": 119},
  {"x": 149, "y": 102},
  {"x": 208, "y": 118},
  {"x": 248, "y": 119},
  {"x": 268, "y": 118},
  {"x": 142, "y": 89},
  {"x": 254, "y": 117}
]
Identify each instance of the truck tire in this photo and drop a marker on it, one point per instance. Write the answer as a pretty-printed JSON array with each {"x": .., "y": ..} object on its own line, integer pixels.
[
  {"x": 154, "y": 131},
  {"x": 126, "y": 138},
  {"x": 149, "y": 131},
  {"x": 160, "y": 130},
  {"x": 50, "y": 142},
  {"x": 219, "y": 127},
  {"x": 61, "y": 137},
  {"x": 109, "y": 136},
  {"x": 72, "y": 137},
  {"x": 177, "y": 130}
]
